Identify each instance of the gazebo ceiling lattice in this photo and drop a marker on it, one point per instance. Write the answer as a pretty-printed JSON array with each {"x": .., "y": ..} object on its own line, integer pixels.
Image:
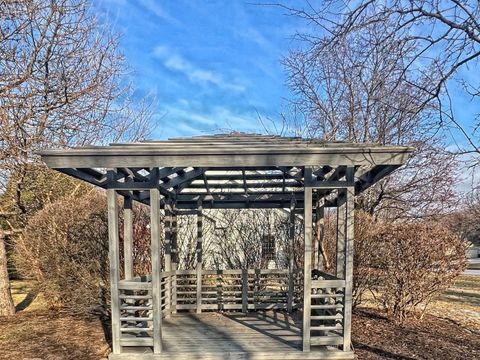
[{"x": 233, "y": 170}]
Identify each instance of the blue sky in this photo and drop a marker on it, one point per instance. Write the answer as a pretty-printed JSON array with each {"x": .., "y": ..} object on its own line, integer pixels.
[
  {"x": 216, "y": 65},
  {"x": 212, "y": 65}
]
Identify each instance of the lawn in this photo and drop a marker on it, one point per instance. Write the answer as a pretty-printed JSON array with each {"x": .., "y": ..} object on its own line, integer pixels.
[{"x": 450, "y": 330}]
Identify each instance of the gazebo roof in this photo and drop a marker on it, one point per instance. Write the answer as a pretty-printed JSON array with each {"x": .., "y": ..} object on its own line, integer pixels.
[{"x": 228, "y": 170}]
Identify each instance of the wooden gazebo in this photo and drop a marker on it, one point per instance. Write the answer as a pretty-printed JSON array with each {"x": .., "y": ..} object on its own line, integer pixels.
[{"x": 236, "y": 313}]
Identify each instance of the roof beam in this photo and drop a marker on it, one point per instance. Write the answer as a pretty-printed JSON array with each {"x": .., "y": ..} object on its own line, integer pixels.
[
  {"x": 371, "y": 177},
  {"x": 205, "y": 181},
  {"x": 186, "y": 177},
  {"x": 256, "y": 157},
  {"x": 246, "y": 185}
]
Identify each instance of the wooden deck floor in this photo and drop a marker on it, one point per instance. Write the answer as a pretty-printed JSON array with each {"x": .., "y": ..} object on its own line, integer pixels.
[{"x": 212, "y": 335}]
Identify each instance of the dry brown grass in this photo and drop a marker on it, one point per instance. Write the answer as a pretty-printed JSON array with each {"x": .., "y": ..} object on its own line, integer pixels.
[
  {"x": 37, "y": 332},
  {"x": 460, "y": 303}
]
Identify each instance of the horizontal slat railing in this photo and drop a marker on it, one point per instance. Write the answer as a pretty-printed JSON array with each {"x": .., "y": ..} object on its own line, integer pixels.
[
  {"x": 136, "y": 322},
  {"x": 241, "y": 290},
  {"x": 327, "y": 299},
  {"x": 136, "y": 312}
]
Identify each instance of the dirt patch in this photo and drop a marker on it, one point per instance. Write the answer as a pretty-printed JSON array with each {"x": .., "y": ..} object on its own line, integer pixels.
[{"x": 375, "y": 337}]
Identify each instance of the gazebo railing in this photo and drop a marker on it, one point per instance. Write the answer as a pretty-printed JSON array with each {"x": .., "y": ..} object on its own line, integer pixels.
[
  {"x": 242, "y": 290},
  {"x": 327, "y": 305},
  {"x": 220, "y": 290},
  {"x": 136, "y": 312}
]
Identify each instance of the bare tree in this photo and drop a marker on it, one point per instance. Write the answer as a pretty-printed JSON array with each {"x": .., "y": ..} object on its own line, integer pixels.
[
  {"x": 243, "y": 237},
  {"x": 62, "y": 83},
  {"x": 187, "y": 238},
  {"x": 355, "y": 89},
  {"x": 442, "y": 39}
]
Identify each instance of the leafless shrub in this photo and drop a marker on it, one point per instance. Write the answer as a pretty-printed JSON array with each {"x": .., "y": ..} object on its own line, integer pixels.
[
  {"x": 142, "y": 255},
  {"x": 65, "y": 249},
  {"x": 365, "y": 274},
  {"x": 403, "y": 264},
  {"x": 417, "y": 262}
]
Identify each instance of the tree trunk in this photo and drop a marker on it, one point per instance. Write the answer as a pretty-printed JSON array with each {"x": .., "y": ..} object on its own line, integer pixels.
[{"x": 6, "y": 302}]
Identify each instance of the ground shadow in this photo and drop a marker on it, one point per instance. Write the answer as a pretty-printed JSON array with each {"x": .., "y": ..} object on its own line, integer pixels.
[
  {"x": 287, "y": 323},
  {"x": 107, "y": 328},
  {"x": 189, "y": 328},
  {"x": 461, "y": 297},
  {"x": 27, "y": 301},
  {"x": 383, "y": 353}
]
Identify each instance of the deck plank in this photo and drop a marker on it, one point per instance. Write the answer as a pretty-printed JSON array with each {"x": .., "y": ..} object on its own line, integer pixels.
[{"x": 213, "y": 335}]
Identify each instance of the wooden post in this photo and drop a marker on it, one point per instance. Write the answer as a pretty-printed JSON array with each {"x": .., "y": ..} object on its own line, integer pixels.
[
  {"x": 174, "y": 252},
  {"x": 113, "y": 252},
  {"x": 320, "y": 227},
  {"x": 245, "y": 290},
  {"x": 168, "y": 252},
  {"x": 128, "y": 237},
  {"x": 174, "y": 233},
  {"x": 341, "y": 214},
  {"x": 156, "y": 269},
  {"x": 291, "y": 246},
  {"x": 307, "y": 267},
  {"x": 349, "y": 232},
  {"x": 199, "y": 255},
  {"x": 315, "y": 245}
]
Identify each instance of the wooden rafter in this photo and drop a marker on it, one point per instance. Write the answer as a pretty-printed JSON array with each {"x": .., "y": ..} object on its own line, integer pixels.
[{"x": 183, "y": 178}]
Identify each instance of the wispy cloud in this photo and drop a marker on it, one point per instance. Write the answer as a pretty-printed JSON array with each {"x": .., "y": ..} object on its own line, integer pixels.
[
  {"x": 189, "y": 119},
  {"x": 176, "y": 62},
  {"x": 184, "y": 113},
  {"x": 155, "y": 8}
]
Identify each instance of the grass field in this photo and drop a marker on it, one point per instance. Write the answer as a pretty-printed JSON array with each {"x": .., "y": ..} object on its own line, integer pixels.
[{"x": 451, "y": 330}]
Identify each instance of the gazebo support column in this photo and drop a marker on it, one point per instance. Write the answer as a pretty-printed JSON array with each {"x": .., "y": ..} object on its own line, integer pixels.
[
  {"x": 199, "y": 251},
  {"x": 307, "y": 267},
  {"x": 168, "y": 251},
  {"x": 128, "y": 237},
  {"x": 341, "y": 221},
  {"x": 349, "y": 240},
  {"x": 156, "y": 269},
  {"x": 291, "y": 260},
  {"x": 319, "y": 231},
  {"x": 174, "y": 252},
  {"x": 113, "y": 257}
]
